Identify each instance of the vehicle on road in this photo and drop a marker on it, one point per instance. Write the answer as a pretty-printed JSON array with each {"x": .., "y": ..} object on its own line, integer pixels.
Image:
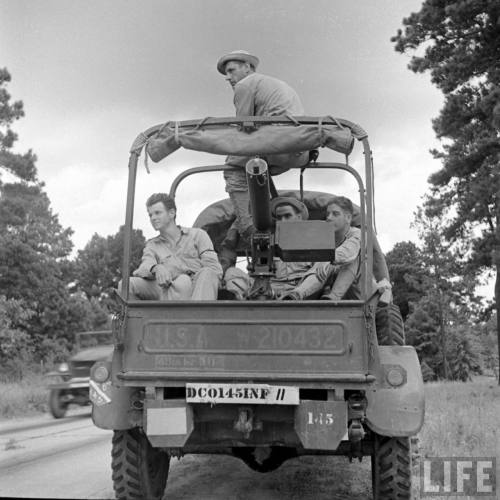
[
  {"x": 69, "y": 383},
  {"x": 261, "y": 379}
]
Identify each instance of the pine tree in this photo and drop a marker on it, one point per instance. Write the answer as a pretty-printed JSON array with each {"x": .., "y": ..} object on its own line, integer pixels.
[{"x": 460, "y": 45}]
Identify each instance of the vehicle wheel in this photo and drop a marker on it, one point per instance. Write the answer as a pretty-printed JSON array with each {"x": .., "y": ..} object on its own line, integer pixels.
[
  {"x": 57, "y": 406},
  {"x": 139, "y": 470},
  {"x": 389, "y": 325},
  {"x": 391, "y": 468}
]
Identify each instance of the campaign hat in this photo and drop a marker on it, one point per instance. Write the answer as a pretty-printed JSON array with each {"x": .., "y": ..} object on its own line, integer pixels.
[{"x": 237, "y": 55}]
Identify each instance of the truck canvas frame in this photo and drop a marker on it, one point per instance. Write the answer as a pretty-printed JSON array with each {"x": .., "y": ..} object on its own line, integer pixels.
[{"x": 260, "y": 379}]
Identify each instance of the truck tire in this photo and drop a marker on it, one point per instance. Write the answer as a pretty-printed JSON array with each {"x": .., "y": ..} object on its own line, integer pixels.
[
  {"x": 57, "y": 406},
  {"x": 389, "y": 325},
  {"x": 391, "y": 468},
  {"x": 139, "y": 470}
]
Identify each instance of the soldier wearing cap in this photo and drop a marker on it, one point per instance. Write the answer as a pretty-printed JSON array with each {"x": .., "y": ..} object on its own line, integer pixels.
[
  {"x": 255, "y": 94},
  {"x": 343, "y": 274},
  {"x": 308, "y": 280},
  {"x": 288, "y": 274}
]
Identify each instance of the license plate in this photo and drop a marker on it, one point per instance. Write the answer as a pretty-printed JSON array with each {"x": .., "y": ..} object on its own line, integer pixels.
[{"x": 261, "y": 394}]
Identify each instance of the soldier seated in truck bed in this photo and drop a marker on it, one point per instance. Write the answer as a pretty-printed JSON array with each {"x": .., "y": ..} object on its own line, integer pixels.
[
  {"x": 217, "y": 218},
  {"x": 178, "y": 264},
  {"x": 288, "y": 274},
  {"x": 343, "y": 274}
]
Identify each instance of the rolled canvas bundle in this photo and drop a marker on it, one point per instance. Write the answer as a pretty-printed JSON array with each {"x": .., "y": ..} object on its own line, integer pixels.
[{"x": 277, "y": 141}]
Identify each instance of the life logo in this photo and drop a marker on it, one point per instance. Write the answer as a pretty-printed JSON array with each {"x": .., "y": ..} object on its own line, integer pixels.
[{"x": 458, "y": 476}]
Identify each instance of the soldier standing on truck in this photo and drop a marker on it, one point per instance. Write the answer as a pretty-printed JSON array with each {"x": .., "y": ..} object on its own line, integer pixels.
[
  {"x": 254, "y": 95},
  {"x": 178, "y": 264},
  {"x": 344, "y": 271},
  {"x": 288, "y": 274}
]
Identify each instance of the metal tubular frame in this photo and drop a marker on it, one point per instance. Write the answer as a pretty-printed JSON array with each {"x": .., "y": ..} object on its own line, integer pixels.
[{"x": 366, "y": 196}]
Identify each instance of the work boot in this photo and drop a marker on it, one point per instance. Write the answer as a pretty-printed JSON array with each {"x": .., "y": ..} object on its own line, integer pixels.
[{"x": 224, "y": 294}]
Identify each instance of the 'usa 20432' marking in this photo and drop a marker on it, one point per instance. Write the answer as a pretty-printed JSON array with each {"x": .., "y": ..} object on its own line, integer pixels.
[
  {"x": 229, "y": 337},
  {"x": 287, "y": 337}
]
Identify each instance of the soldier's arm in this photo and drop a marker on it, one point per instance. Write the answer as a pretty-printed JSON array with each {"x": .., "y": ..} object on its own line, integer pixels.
[
  {"x": 207, "y": 253},
  {"x": 349, "y": 249},
  {"x": 244, "y": 101},
  {"x": 148, "y": 261}
]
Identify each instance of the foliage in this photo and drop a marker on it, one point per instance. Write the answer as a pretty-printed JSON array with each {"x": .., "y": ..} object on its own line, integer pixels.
[
  {"x": 34, "y": 251},
  {"x": 422, "y": 330},
  {"x": 31, "y": 243},
  {"x": 444, "y": 301},
  {"x": 463, "y": 361},
  {"x": 489, "y": 346},
  {"x": 460, "y": 41},
  {"x": 22, "y": 397},
  {"x": 407, "y": 274},
  {"x": 98, "y": 267},
  {"x": 21, "y": 166},
  {"x": 456, "y": 356},
  {"x": 16, "y": 347}
]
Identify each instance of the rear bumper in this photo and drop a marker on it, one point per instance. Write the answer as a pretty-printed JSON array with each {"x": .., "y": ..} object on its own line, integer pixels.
[
  {"x": 310, "y": 425},
  {"x": 136, "y": 378}
]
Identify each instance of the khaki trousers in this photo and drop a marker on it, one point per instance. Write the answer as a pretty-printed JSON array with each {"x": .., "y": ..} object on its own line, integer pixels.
[{"x": 202, "y": 285}]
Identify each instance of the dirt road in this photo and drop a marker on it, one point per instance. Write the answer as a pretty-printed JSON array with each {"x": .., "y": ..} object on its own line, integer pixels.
[{"x": 70, "y": 458}]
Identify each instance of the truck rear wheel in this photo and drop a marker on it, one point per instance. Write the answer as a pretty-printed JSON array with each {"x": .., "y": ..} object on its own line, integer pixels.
[
  {"x": 139, "y": 470},
  {"x": 391, "y": 468},
  {"x": 389, "y": 325}
]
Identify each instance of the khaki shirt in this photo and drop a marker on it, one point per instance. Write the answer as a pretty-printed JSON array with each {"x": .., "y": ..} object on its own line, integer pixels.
[
  {"x": 346, "y": 253},
  {"x": 261, "y": 95},
  {"x": 193, "y": 251}
]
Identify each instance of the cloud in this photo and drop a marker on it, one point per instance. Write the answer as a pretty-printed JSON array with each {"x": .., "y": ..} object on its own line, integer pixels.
[{"x": 88, "y": 200}]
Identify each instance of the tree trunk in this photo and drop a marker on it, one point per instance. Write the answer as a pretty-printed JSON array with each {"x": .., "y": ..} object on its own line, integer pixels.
[
  {"x": 442, "y": 334},
  {"x": 496, "y": 265},
  {"x": 496, "y": 262},
  {"x": 497, "y": 307}
]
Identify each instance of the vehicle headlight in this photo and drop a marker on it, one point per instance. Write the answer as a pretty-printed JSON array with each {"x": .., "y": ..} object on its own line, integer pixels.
[
  {"x": 63, "y": 367},
  {"x": 101, "y": 373},
  {"x": 395, "y": 377}
]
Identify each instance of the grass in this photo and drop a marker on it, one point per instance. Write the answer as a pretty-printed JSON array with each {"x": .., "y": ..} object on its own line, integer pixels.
[
  {"x": 461, "y": 420},
  {"x": 12, "y": 444},
  {"x": 27, "y": 397}
]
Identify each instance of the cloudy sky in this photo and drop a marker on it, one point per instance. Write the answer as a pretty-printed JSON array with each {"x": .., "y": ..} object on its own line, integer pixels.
[{"x": 93, "y": 74}]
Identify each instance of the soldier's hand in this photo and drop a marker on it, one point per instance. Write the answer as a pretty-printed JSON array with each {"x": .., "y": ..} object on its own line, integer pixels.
[{"x": 163, "y": 276}]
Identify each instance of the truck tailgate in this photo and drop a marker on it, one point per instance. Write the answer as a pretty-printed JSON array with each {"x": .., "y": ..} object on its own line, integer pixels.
[{"x": 245, "y": 340}]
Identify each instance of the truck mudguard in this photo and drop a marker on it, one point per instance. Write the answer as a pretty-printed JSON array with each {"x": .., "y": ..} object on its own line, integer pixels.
[
  {"x": 397, "y": 410},
  {"x": 113, "y": 406}
]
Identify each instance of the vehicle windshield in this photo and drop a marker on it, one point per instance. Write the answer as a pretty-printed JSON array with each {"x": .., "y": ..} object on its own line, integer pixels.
[{"x": 85, "y": 340}]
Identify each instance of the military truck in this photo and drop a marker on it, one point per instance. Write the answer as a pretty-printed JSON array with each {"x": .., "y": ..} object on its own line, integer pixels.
[
  {"x": 69, "y": 382},
  {"x": 260, "y": 379}
]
